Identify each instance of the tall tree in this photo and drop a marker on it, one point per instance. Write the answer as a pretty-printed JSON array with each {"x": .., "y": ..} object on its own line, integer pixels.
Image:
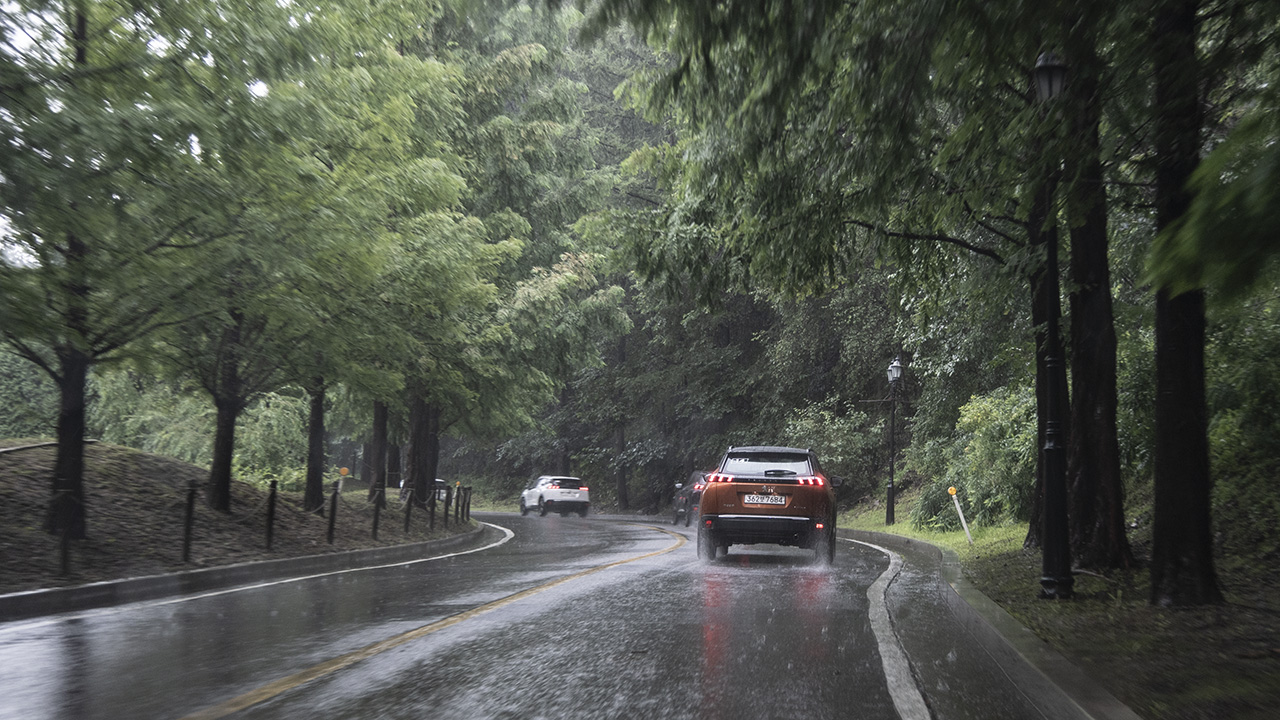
[
  {"x": 105, "y": 187},
  {"x": 1097, "y": 524},
  {"x": 1182, "y": 569}
]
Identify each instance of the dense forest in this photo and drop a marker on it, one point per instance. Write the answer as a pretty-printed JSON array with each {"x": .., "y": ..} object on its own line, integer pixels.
[{"x": 488, "y": 240}]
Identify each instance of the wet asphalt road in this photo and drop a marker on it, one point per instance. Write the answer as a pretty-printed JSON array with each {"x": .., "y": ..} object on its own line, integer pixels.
[{"x": 560, "y": 617}]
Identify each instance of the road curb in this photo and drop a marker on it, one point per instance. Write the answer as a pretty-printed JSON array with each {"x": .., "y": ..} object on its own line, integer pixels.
[
  {"x": 1052, "y": 683},
  {"x": 36, "y": 603}
]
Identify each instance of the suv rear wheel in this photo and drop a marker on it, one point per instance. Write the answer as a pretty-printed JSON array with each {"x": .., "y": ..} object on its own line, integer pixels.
[
  {"x": 707, "y": 543},
  {"x": 824, "y": 548},
  {"x": 542, "y": 508},
  {"x": 524, "y": 509}
]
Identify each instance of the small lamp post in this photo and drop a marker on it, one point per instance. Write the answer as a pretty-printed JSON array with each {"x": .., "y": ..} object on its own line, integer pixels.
[
  {"x": 1056, "y": 580},
  {"x": 895, "y": 374}
]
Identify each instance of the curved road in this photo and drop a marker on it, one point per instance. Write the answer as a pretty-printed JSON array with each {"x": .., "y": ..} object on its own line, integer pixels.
[{"x": 554, "y": 617}]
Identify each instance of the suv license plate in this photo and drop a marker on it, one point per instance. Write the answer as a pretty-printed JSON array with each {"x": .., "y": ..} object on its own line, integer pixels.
[{"x": 765, "y": 499}]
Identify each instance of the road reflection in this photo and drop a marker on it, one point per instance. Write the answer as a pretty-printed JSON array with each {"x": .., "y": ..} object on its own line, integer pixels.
[{"x": 766, "y": 633}]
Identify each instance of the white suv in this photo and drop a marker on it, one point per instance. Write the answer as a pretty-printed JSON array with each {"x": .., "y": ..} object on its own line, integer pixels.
[{"x": 555, "y": 493}]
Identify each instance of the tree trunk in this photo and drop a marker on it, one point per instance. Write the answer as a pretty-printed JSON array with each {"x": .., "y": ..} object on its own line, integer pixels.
[
  {"x": 228, "y": 398},
  {"x": 1093, "y": 461},
  {"x": 224, "y": 444},
  {"x": 424, "y": 448},
  {"x": 66, "y": 513},
  {"x": 378, "y": 451},
  {"x": 620, "y": 430},
  {"x": 564, "y": 459},
  {"x": 313, "y": 495},
  {"x": 366, "y": 464},
  {"x": 620, "y": 471},
  {"x": 393, "y": 466},
  {"x": 66, "y": 508},
  {"x": 1182, "y": 570}
]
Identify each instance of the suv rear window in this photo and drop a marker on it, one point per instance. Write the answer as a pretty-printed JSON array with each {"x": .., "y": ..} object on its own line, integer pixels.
[{"x": 762, "y": 463}]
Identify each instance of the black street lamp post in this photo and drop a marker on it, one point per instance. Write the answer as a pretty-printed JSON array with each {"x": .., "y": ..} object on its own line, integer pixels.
[
  {"x": 1055, "y": 576},
  {"x": 895, "y": 374}
]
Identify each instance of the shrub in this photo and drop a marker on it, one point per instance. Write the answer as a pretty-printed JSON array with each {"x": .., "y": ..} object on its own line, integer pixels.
[
  {"x": 991, "y": 460},
  {"x": 847, "y": 444}
]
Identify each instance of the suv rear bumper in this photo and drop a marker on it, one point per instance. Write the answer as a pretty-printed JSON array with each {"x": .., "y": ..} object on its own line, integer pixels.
[
  {"x": 565, "y": 505},
  {"x": 748, "y": 529}
]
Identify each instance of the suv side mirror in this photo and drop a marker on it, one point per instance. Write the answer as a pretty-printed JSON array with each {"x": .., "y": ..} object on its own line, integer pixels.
[{"x": 679, "y": 485}]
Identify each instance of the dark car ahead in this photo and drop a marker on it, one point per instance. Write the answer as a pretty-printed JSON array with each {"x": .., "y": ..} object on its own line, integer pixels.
[
  {"x": 684, "y": 506},
  {"x": 768, "y": 494}
]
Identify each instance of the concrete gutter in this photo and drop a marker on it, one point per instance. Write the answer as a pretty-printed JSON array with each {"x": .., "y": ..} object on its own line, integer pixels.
[
  {"x": 1052, "y": 683},
  {"x": 35, "y": 603}
]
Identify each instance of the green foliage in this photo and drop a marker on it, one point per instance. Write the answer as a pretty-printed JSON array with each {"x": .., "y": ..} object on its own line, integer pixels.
[
  {"x": 1244, "y": 397},
  {"x": 28, "y": 399},
  {"x": 846, "y": 441},
  {"x": 159, "y": 417},
  {"x": 1231, "y": 233},
  {"x": 991, "y": 462},
  {"x": 270, "y": 437},
  {"x": 140, "y": 411}
]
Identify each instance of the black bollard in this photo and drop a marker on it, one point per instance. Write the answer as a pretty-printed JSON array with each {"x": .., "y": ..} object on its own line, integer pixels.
[
  {"x": 65, "y": 554},
  {"x": 271, "y": 513},
  {"x": 448, "y": 504},
  {"x": 377, "y": 512},
  {"x": 189, "y": 522},
  {"x": 333, "y": 510}
]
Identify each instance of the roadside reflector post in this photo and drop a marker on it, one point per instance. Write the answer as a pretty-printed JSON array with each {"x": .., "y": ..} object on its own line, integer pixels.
[{"x": 960, "y": 512}]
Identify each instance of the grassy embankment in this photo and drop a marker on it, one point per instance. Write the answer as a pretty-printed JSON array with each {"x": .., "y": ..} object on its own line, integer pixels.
[{"x": 1214, "y": 662}]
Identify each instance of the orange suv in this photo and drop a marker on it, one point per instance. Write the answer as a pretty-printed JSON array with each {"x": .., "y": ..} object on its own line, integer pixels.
[{"x": 762, "y": 494}]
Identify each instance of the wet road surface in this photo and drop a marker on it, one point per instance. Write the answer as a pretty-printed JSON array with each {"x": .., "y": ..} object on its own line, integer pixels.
[{"x": 556, "y": 617}]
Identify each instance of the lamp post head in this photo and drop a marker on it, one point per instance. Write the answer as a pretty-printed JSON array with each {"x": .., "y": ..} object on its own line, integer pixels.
[
  {"x": 895, "y": 371},
  {"x": 1051, "y": 76}
]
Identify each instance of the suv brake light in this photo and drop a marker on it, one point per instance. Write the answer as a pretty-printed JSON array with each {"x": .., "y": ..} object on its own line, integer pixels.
[
  {"x": 719, "y": 477},
  {"x": 812, "y": 480}
]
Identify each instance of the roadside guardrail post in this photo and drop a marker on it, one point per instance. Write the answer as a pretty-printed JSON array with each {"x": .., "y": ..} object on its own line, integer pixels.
[{"x": 377, "y": 511}]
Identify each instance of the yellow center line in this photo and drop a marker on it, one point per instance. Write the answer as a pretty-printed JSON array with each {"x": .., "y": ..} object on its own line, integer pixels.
[{"x": 270, "y": 690}]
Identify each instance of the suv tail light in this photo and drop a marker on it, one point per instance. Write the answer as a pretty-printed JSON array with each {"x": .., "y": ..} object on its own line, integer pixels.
[
  {"x": 584, "y": 487},
  {"x": 812, "y": 480},
  {"x": 719, "y": 477}
]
